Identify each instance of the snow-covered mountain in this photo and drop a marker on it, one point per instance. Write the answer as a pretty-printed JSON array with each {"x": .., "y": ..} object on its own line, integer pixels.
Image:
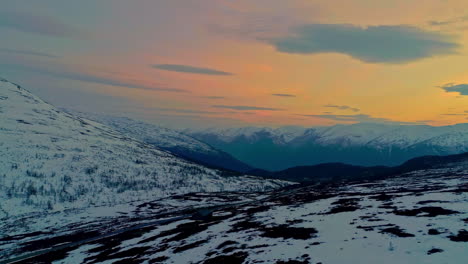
[
  {"x": 168, "y": 139},
  {"x": 279, "y": 136},
  {"x": 358, "y": 144},
  {"x": 51, "y": 160}
]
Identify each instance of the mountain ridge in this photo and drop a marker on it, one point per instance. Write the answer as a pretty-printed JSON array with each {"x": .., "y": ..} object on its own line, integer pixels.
[
  {"x": 171, "y": 140},
  {"x": 361, "y": 144},
  {"x": 52, "y": 161}
]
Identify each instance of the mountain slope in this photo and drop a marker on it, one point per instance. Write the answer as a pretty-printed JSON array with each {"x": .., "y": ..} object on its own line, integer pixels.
[
  {"x": 51, "y": 160},
  {"x": 416, "y": 217},
  {"x": 357, "y": 144},
  {"x": 170, "y": 140}
]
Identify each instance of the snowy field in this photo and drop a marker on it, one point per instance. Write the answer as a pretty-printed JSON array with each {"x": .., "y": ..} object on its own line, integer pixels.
[{"x": 420, "y": 217}]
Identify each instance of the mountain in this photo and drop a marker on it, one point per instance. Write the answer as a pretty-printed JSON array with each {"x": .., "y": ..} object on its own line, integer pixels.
[
  {"x": 168, "y": 139},
  {"x": 416, "y": 217},
  {"x": 340, "y": 172},
  {"x": 357, "y": 144},
  {"x": 327, "y": 172},
  {"x": 51, "y": 161}
]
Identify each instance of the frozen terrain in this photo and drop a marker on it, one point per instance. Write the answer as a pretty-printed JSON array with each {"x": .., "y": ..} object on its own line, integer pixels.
[
  {"x": 52, "y": 161},
  {"x": 419, "y": 217},
  {"x": 76, "y": 191}
]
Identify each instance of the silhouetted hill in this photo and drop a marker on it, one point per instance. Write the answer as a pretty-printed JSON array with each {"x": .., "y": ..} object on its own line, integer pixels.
[{"x": 344, "y": 172}]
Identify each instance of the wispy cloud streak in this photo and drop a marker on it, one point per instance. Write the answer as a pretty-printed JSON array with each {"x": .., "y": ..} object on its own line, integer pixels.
[
  {"x": 190, "y": 69},
  {"x": 36, "y": 24},
  {"x": 247, "y": 108}
]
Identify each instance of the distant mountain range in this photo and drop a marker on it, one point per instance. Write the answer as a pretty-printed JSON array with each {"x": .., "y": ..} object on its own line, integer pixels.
[
  {"x": 168, "y": 139},
  {"x": 357, "y": 144},
  {"x": 51, "y": 161}
]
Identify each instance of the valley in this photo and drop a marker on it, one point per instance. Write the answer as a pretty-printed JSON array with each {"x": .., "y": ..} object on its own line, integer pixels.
[
  {"x": 361, "y": 144},
  {"x": 79, "y": 191}
]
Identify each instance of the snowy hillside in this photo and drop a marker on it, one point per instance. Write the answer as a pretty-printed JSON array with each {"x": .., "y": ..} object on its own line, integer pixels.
[
  {"x": 358, "y": 144},
  {"x": 51, "y": 160},
  {"x": 168, "y": 139},
  {"x": 418, "y": 217}
]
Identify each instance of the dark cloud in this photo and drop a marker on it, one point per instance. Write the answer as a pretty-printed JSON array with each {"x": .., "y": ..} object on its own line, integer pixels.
[
  {"x": 189, "y": 69},
  {"x": 76, "y": 75},
  {"x": 28, "y": 52},
  {"x": 373, "y": 44},
  {"x": 462, "y": 89},
  {"x": 284, "y": 95},
  {"x": 343, "y": 107},
  {"x": 36, "y": 24},
  {"x": 361, "y": 118},
  {"x": 246, "y": 108}
]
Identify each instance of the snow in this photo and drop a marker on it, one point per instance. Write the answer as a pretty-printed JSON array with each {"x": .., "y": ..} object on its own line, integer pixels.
[
  {"x": 229, "y": 134},
  {"x": 62, "y": 175},
  {"x": 362, "y": 134},
  {"x": 149, "y": 133},
  {"x": 360, "y": 144},
  {"x": 53, "y": 161},
  {"x": 23, "y": 229},
  {"x": 349, "y": 236},
  {"x": 168, "y": 139}
]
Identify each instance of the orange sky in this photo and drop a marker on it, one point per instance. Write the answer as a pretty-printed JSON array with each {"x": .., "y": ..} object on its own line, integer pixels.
[{"x": 230, "y": 57}]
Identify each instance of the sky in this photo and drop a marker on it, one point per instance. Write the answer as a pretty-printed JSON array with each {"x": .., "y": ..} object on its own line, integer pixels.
[{"x": 207, "y": 63}]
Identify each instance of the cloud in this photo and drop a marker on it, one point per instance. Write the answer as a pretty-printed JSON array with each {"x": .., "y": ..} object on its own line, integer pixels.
[
  {"x": 361, "y": 118},
  {"x": 343, "y": 107},
  {"x": 213, "y": 97},
  {"x": 461, "y": 89},
  {"x": 36, "y": 24},
  {"x": 448, "y": 21},
  {"x": 246, "y": 108},
  {"x": 373, "y": 44},
  {"x": 63, "y": 72},
  {"x": 190, "y": 69},
  {"x": 452, "y": 114},
  {"x": 182, "y": 111},
  {"x": 440, "y": 23},
  {"x": 284, "y": 95},
  {"x": 28, "y": 52}
]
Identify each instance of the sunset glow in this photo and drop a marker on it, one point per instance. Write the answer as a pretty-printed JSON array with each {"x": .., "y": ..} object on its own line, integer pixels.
[{"x": 230, "y": 63}]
